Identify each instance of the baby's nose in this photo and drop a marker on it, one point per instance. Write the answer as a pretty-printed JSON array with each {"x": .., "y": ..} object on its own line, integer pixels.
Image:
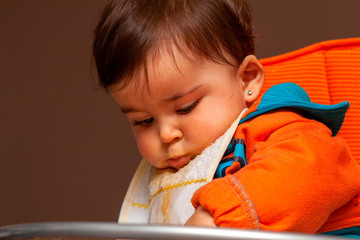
[{"x": 170, "y": 133}]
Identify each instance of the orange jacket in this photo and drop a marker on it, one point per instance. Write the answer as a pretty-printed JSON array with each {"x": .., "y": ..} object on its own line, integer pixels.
[{"x": 298, "y": 178}]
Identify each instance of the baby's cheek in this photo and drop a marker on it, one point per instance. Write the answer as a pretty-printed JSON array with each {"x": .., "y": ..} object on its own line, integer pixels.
[
  {"x": 149, "y": 149},
  {"x": 205, "y": 131},
  {"x": 144, "y": 145}
]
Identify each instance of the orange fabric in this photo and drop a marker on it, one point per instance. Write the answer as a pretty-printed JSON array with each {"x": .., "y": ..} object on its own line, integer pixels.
[
  {"x": 311, "y": 190},
  {"x": 297, "y": 176},
  {"x": 330, "y": 72}
]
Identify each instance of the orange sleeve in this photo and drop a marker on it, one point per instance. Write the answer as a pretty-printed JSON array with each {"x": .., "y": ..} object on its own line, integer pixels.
[{"x": 294, "y": 180}]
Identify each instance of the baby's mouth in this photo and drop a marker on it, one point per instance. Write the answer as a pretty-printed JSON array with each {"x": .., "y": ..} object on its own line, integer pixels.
[{"x": 179, "y": 161}]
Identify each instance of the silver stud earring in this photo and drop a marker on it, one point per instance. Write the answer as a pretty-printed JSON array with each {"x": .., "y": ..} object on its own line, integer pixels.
[{"x": 249, "y": 92}]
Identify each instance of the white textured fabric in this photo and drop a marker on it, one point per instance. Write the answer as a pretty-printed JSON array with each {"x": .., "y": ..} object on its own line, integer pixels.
[{"x": 162, "y": 196}]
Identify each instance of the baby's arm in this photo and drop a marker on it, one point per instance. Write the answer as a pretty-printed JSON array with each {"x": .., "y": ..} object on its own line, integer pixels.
[
  {"x": 201, "y": 217},
  {"x": 294, "y": 180}
]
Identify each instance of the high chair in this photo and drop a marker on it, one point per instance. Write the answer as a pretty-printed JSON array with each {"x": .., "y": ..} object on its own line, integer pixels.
[{"x": 330, "y": 72}]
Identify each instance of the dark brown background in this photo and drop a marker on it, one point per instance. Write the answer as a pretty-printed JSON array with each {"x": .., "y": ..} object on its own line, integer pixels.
[{"x": 66, "y": 152}]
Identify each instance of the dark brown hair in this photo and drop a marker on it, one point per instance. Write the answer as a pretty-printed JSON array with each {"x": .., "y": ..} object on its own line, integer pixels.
[{"x": 130, "y": 30}]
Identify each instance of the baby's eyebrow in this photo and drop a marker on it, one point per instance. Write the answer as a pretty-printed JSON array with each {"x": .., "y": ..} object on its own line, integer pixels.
[
  {"x": 127, "y": 110},
  {"x": 180, "y": 95}
]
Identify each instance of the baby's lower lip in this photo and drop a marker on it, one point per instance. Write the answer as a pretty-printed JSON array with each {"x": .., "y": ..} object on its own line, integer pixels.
[{"x": 178, "y": 162}]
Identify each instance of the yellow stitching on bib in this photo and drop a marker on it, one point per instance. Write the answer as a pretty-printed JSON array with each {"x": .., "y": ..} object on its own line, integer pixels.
[
  {"x": 140, "y": 205},
  {"x": 167, "y": 189}
]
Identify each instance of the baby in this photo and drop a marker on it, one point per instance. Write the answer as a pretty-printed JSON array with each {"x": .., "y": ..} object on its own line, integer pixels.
[{"x": 185, "y": 75}]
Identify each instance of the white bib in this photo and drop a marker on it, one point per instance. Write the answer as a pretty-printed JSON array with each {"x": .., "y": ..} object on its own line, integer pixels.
[{"x": 162, "y": 196}]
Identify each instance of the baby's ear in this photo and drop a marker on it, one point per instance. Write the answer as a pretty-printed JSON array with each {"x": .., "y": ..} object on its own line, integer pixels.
[{"x": 252, "y": 75}]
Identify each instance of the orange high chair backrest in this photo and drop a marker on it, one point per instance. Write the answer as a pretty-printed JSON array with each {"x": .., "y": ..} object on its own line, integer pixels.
[{"x": 330, "y": 72}]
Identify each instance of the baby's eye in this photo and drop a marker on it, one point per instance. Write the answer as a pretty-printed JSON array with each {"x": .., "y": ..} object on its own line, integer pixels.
[
  {"x": 188, "y": 108},
  {"x": 145, "y": 123}
]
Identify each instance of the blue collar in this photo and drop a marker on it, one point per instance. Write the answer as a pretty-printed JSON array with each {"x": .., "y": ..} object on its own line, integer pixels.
[{"x": 291, "y": 95}]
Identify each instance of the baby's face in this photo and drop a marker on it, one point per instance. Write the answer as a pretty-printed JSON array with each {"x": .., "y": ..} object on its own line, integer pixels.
[{"x": 186, "y": 108}]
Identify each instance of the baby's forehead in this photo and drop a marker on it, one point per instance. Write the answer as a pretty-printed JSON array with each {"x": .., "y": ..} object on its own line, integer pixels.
[
  {"x": 165, "y": 58},
  {"x": 172, "y": 58},
  {"x": 164, "y": 69},
  {"x": 158, "y": 63},
  {"x": 164, "y": 66}
]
